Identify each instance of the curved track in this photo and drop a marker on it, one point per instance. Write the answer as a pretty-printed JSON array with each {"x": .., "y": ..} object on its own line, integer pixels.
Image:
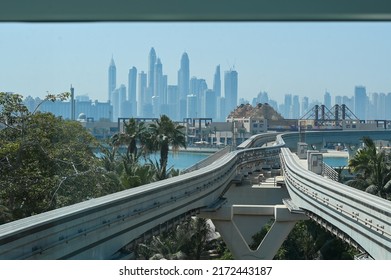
[{"x": 99, "y": 228}]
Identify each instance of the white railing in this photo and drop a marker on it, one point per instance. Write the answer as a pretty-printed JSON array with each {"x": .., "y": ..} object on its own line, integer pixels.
[
  {"x": 363, "y": 217},
  {"x": 329, "y": 172},
  {"x": 98, "y": 228}
]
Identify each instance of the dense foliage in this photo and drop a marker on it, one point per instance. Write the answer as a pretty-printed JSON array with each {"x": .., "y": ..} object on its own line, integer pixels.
[
  {"x": 189, "y": 240},
  {"x": 47, "y": 162},
  {"x": 372, "y": 169}
]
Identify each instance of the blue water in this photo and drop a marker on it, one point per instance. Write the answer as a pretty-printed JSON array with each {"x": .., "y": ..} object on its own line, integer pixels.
[
  {"x": 184, "y": 160},
  {"x": 180, "y": 160},
  {"x": 336, "y": 161}
]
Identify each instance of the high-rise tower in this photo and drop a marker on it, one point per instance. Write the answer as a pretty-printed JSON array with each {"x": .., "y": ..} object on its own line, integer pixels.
[
  {"x": 151, "y": 71},
  {"x": 327, "y": 100},
  {"x": 217, "y": 82},
  {"x": 360, "y": 102},
  {"x": 295, "y": 107},
  {"x": 158, "y": 87},
  {"x": 132, "y": 80},
  {"x": 112, "y": 78},
  {"x": 184, "y": 77},
  {"x": 158, "y": 72},
  {"x": 142, "y": 94},
  {"x": 183, "y": 85},
  {"x": 230, "y": 90},
  {"x": 287, "y": 112},
  {"x": 124, "y": 106},
  {"x": 304, "y": 105}
]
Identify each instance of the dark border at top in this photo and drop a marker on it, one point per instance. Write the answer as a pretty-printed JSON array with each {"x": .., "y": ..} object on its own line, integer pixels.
[{"x": 193, "y": 10}]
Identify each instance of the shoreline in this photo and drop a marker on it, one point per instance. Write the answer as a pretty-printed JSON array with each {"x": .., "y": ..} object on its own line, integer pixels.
[
  {"x": 334, "y": 153},
  {"x": 209, "y": 150}
]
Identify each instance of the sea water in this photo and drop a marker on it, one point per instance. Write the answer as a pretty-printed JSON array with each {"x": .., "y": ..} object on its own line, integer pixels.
[
  {"x": 183, "y": 159},
  {"x": 336, "y": 161},
  {"x": 180, "y": 160}
]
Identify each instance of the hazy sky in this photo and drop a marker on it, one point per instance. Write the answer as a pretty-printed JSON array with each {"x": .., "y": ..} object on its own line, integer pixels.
[{"x": 303, "y": 58}]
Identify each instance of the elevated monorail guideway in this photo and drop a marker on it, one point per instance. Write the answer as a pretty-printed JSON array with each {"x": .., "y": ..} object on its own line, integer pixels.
[
  {"x": 361, "y": 219},
  {"x": 100, "y": 227}
]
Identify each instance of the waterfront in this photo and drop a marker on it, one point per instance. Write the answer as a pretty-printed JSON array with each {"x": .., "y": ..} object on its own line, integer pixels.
[
  {"x": 181, "y": 160},
  {"x": 184, "y": 159},
  {"x": 336, "y": 161},
  {"x": 335, "y": 158}
]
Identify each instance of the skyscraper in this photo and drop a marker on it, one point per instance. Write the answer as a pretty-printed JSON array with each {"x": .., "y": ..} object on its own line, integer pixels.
[
  {"x": 164, "y": 89},
  {"x": 124, "y": 106},
  {"x": 381, "y": 105},
  {"x": 112, "y": 78},
  {"x": 192, "y": 106},
  {"x": 184, "y": 76},
  {"x": 263, "y": 97},
  {"x": 327, "y": 100},
  {"x": 287, "y": 113},
  {"x": 304, "y": 105},
  {"x": 151, "y": 72},
  {"x": 132, "y": 81},
  {"x": 209, "y": 104},
  {"x": 183, "y": 83},
  {"x": 173, "y": 101},
  {"x": 295, "y": 107},
  {"x": 115, "y": 102},
  {"x": 217, "y": 82},
  {"x": 221, "y": 109},
  {"x": 158, "y": 72},
  {"x": 158, "y": 87},
  {"x": 360, "y": 102},
  {"x": 230, "y": 90},
  {"x": 197, "y": 88},
  {"x": 142, "y": 93},
  {"x": 348, "y": 102},
  {"x": 338, "y": 100}
]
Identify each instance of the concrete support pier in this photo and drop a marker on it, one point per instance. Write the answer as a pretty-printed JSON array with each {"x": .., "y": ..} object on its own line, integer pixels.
[{"x": 248, "y": 208}]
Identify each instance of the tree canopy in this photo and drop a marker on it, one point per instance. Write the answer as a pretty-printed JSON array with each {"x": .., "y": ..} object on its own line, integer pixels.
[
  {"x": 372, "y": 168},
  {"x": 45, "y": 162}
]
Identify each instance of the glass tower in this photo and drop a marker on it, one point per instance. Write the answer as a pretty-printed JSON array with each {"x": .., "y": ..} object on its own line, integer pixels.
[
  {"x": 360, "y": 102},
  {"x": 132, "y": 81},
  {"x": 230, "y": 90},
  {"x": 112, "y": 78}
]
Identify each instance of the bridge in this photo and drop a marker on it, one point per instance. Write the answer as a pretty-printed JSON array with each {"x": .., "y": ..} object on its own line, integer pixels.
[{"x": 99, "y": 228}]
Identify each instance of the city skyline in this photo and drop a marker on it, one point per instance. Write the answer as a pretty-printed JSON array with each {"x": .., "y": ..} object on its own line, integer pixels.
[{"x": 304, "y": 59}]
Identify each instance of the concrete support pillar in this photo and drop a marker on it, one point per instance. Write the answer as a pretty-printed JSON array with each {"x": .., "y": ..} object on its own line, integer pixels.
[{"x": 238, "y": 222}]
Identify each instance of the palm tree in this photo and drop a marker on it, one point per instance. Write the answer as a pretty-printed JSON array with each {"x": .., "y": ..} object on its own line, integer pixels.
[
  {"x": 131, "y": 172},
  {"x": 133, "y": 131},
  {"x": 188, "y": 240},
  {"x": 161, "y": 135},
  {"x": 373, "y": 169}
]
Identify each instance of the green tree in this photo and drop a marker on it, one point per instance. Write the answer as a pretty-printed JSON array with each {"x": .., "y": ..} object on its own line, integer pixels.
[
  {"x": 45, "y": 161},
  {"x": 160, "y": 136},
  {"x": 198, "y": 232},
  {"x": 372, "y": 169},
  {"x": 307, "y": 241},
  {"x": 189, "y": 240},
  {"x": 134, "y": 133}
]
